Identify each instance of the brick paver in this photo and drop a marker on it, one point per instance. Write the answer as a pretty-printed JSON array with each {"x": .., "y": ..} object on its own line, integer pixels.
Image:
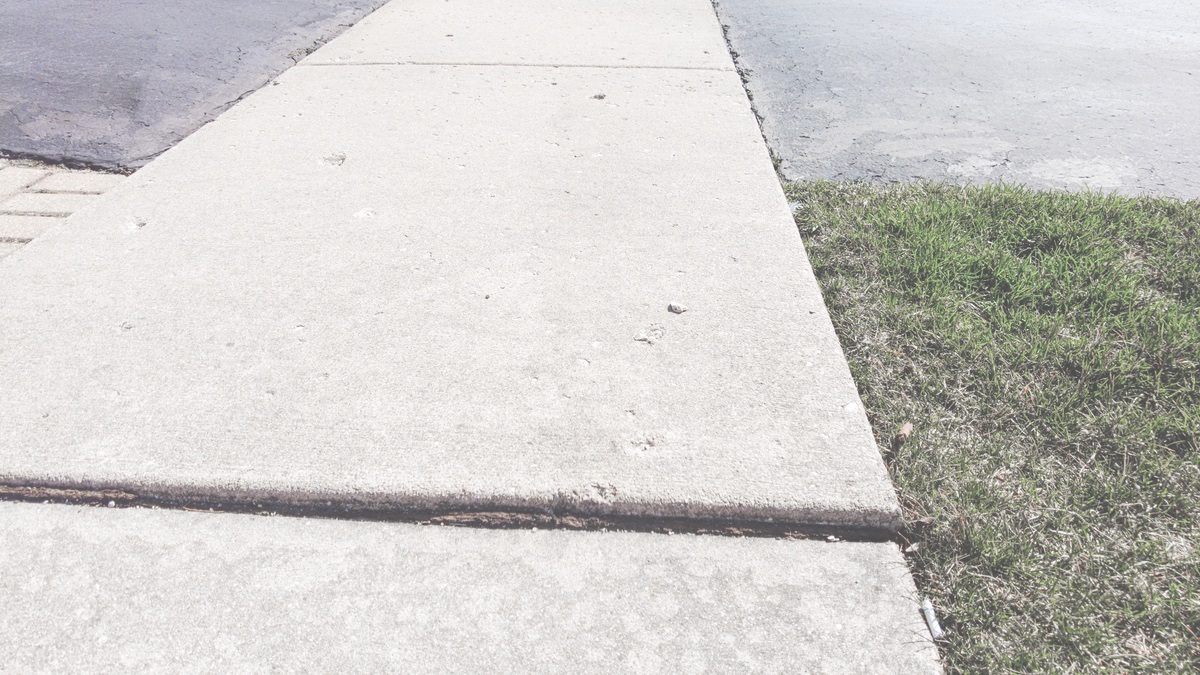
[
  {"x": 13, "y": 179},
  {"x": 21, "y": 229},
  {"x": 35, "y": 197},
  {"x": 80, "y": 182}
]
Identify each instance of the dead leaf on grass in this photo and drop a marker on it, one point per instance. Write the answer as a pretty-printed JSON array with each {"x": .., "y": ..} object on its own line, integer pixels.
[{"x": 902, "y": 436}]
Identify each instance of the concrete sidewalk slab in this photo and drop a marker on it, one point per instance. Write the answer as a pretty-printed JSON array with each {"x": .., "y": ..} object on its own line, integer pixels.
[
  {"x": 616, "y": 33},
  {"x": 441, "y": 288},
  {"x": 438, "y": 287},
  {"x": 131, "y": 589}
]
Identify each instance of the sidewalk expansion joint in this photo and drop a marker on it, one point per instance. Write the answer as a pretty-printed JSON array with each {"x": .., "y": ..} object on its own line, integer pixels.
[
  {"x": 473, "y": 64},
  {"x": 87, "y": 193},
  {"x": 37, "y": 214},
  {"x": 479, "y": 518}
]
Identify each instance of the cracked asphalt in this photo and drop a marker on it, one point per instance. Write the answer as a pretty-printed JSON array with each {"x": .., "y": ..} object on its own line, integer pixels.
[
  {"x": 112, "y": 83},
  {"x": 1063, "y": 94}
]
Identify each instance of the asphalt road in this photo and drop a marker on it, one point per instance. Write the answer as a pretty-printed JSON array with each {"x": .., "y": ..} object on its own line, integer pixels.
[
  {"x": 112, "y": 83},
  {"x": 1101, "y": 94}
]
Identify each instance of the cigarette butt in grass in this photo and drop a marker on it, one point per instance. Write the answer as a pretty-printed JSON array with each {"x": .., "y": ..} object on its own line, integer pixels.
[
  {"x": 902, "y": 436},
  {"x": 935, "y": 628}
]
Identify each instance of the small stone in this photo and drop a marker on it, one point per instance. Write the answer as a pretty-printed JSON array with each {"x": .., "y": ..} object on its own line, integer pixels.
[{"x": 676, "y": 308}]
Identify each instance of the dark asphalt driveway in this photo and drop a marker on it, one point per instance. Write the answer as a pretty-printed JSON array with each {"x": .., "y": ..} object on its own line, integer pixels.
[{"x": 112, "y": 83}]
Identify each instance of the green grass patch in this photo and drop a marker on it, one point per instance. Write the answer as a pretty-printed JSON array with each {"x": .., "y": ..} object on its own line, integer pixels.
[{"x": 1046, "y": 348}]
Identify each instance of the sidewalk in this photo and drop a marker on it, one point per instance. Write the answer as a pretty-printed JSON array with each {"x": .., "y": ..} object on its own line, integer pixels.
[{"x": 520, "y": 257}]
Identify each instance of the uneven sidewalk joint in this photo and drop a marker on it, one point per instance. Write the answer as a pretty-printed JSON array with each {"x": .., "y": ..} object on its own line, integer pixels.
[{"x": 507, "y": 519}]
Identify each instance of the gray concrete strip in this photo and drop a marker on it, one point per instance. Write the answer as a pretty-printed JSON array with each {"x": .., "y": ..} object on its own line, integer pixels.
[
  {"x": 445, "y": 287},
  {"x": 115, "y": 83},
  {"x": 619, "y": 33},
  {"x": 1068, "y": 94},
  {"x": 97, "y": 589}
]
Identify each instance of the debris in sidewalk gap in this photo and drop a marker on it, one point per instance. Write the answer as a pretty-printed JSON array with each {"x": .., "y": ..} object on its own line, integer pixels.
[
  {"x": 935, "y": 628},
  {"x": 676, "y": 308}
]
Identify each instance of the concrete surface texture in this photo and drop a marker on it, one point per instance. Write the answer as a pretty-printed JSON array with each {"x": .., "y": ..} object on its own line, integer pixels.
[
  {"x": 112, "y": 83},
  {"x": 1072, "y": 94},
  {"x": 35, "y": 197},
  {"x": 98, "y": 589},
  {"x": 618, "y": 33},
  {"x": 446, "y": 286}
]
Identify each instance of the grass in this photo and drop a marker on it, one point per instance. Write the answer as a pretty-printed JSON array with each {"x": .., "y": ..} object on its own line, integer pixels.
[{"x": 1046, "y": 348}]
